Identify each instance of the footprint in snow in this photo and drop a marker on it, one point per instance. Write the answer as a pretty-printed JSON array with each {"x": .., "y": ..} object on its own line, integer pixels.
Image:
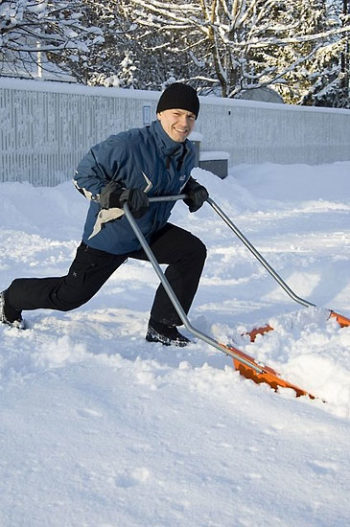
[
  {"x": 88, "y": 412},
  {"x": 323, "y": 467},
  {"x": 131, "y": 478}
]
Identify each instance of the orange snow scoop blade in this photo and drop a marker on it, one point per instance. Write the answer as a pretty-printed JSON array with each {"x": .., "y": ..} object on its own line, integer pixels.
[
  {"x": 267, "y": 375},
  {"x": 342, "y": 321},
  {"x": 258, "y": 331}
]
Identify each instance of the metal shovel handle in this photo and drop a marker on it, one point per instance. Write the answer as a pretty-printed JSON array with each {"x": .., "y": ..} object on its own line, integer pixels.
[
  {"x": 247, "y": 243},
  {"x": 257, "y": 255},
  {"x": 175, "y": 197},
  {"x": 169, "y": 290}
]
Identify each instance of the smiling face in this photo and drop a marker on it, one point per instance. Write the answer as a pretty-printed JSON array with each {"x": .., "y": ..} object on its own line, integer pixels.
[{"x": 177, "y": 123}]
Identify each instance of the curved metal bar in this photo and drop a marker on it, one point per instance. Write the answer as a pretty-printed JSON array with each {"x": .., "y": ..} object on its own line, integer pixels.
[
  {"x": 176, "y": 197},
  {"x": 172, "y": 296},
  {"x": 258, "y": 256}
]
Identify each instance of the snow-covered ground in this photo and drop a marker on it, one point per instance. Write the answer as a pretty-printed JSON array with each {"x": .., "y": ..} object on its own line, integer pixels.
[{"x": 99, "y": 428}]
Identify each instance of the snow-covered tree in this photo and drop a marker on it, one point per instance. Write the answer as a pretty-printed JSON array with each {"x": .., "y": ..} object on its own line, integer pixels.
[
  {"x": 30, "y": 30},
  {"x": 237, "y": 45},
  {"x": 298, "y": 47},
  {"x": 130, "y": 57},
  {"x": 320, "y": 77},
  {"x": 343, "y": 99}
]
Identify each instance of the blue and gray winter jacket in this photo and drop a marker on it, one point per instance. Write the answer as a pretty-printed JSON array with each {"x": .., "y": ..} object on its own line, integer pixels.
[{"x": 145, "y": 158}]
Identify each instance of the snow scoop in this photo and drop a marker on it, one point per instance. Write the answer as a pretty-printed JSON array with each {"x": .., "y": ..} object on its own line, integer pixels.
[
  {"x": 246, "y": 365},
  {"x": 342, "y": 320}
]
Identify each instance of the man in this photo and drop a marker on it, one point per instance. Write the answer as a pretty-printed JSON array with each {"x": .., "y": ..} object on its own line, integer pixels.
[{"x": 129, "y": 168}]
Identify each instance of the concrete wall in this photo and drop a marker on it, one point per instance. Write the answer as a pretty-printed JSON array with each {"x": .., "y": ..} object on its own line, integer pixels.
[{"x": 45, "y": 128}]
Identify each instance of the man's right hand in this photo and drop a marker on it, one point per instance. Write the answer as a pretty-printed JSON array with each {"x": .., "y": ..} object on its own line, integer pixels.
[
  {"x": 113, "y": 195},
  {"x": 137, "y": 201}
]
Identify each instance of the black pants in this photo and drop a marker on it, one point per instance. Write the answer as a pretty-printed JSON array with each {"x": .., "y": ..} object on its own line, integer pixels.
[{"x": 90, "y": 269}]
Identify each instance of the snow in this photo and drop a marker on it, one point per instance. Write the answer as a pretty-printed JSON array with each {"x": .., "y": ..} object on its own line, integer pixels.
[
  {"x": 210, "y": 155},
  {"x": 99, "y": 428},
  {"x": 103, "y": 91},
  {"x": 75, "y": 88}
]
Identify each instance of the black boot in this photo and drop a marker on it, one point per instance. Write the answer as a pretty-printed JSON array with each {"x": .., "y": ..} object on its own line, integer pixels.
[
  {"x": 167, "y": 335},
  {"x": 14, "y": 319}
]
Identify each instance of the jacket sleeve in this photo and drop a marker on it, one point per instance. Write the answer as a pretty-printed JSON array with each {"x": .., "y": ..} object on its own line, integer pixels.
[{"x": 98, "y": 167}]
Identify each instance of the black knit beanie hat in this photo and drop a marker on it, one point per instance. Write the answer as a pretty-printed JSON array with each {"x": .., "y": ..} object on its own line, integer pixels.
[{"x": 179, "y": 96}]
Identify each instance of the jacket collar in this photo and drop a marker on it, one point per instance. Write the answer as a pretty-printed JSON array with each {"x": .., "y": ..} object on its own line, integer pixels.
[{"x": 168, "y": 146}]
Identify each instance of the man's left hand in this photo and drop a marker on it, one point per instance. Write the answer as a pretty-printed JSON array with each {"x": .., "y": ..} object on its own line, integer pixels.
[{"x": 196, "y": 195}]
